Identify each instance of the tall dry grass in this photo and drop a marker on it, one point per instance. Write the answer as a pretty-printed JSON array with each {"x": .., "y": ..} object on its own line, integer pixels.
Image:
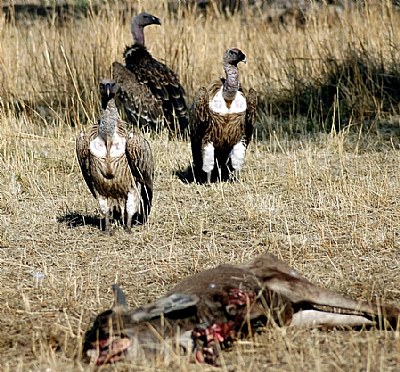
[
  {"x": 325, "y": 203},
  {"x": 56, "y": 69},
  {"x": 337, "y": 60}
]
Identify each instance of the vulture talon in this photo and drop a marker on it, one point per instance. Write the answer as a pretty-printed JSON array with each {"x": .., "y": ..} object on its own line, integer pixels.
[{"x": 128, "y": 229}]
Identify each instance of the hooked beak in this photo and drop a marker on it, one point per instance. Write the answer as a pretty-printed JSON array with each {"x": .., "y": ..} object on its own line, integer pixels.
[
  {"x": 156, "y": 21},
  {"x": 108, "y": 90},
  {"x": 244, "y": 60}
]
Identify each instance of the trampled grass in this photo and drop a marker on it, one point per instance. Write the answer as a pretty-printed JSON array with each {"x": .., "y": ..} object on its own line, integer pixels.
[{"x": 326, "y": 203}]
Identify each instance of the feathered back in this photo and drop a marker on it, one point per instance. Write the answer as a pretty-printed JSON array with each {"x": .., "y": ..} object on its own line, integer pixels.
[
  {"x": 163, "y": 83},
  {"x": 151, "y": 93},
  {"x": 140, "y": 105}
]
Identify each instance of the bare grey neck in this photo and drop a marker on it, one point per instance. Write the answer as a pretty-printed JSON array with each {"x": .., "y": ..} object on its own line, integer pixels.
[
  {"x": 137, "y": 33},
  {"x": 231, "y": 85},
  {"x": 108, "y": 121}
]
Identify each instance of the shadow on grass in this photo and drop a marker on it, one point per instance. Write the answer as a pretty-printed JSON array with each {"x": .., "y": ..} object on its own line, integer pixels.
[
  {"x": 188, "y": 175},
  {"x": 73, "y": 220}
]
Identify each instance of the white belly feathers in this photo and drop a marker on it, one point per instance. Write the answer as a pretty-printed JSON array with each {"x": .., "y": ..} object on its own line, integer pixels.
[
  {"x": 218, "y": 104},
  {"x": 98, "y": 147}
]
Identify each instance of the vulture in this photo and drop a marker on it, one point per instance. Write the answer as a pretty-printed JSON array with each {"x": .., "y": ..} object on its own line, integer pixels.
[
  {"x": 221, "y": 123},
  {"x": 150, "y": 92},
  {"x": 208, "y": 311},
  {"x": 117, "y": 166}
]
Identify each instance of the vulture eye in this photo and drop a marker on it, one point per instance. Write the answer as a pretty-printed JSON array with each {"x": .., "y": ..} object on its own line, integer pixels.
[{"x": 233, "y": 53}]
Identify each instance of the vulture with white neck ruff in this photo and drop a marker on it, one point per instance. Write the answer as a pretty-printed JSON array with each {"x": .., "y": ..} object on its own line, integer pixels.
[
  {"x": 116, "y": 165},
  {"x": 208, "y": 311},
  {"x": 221, "y": 123},
  {"x": 150, "y": 92}
]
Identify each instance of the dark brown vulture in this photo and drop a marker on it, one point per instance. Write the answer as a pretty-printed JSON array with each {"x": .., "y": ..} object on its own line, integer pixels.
[
  {"x": 150, "y": 91},
  {"x": 206, "y": 312},
  {"x": 116, "y": 165},
  {"x": 221, "y": 123}
]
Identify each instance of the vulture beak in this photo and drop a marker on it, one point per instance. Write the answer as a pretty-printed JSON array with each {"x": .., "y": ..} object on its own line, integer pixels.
[
  {"x": 244, "y": 60},
  {"x": 156, "y": 21},
  {"x": 108, "y": 89}
]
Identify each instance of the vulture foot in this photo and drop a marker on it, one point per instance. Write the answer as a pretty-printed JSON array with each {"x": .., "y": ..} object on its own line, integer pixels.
[
  {"x": 128, "y": 229},
  {"x": 105, "y": 224},
  {"x": 234, "y": 176},
  {"x": 109, "y": 232}
]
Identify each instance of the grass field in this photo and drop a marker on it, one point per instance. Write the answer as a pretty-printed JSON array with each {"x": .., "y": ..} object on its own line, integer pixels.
[{"x": 326, "y": 203}]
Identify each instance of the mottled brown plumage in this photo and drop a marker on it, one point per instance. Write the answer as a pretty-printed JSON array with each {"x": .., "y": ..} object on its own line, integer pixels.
[
  {"x": 221, "y": 123},
  {"x": 142, "y": 108},
  {"x": 209, "y": 310},
  {"x": 152, "y": 94},
  {"x": 116, "y": 165}
]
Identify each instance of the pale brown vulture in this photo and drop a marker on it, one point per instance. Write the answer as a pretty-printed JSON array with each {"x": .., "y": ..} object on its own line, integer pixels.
[
  {"x": 116, "y": 165},
  {"x": 150, "y": 91},
  {"x": 221, "y": 123},
  {"x": 206, "y": 312}
]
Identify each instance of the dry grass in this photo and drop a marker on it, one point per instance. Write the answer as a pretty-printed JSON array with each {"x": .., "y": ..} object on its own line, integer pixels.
[{"x": 327, "y": 203}]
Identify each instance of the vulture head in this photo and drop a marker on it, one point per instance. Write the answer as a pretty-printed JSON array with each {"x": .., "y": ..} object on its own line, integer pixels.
[
  {"x": 144, "y": 19},
  {"x": 139, "y": 23},
  {"x": 107, "y": 88},
  {"x": 233, "y": 56}
]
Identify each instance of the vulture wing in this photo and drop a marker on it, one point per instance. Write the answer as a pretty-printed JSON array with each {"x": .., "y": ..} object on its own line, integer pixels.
[
  {"x": 83, "y": 155},
  {"x": 138, "y": 101},
  {"x": 199, "y": 122},
  {"x": 200, "y": 112},
  {"x": 250, "y": 114},
  {"x": 163, "y": 83},
  {"x": 141, "y": 163}
]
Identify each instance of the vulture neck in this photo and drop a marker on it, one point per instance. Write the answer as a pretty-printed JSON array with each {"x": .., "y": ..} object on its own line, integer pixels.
[
  {"x": 137, "y": 33},
  {"x": 231, "y": 84},
  {"x": 108, "y": 120}
]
